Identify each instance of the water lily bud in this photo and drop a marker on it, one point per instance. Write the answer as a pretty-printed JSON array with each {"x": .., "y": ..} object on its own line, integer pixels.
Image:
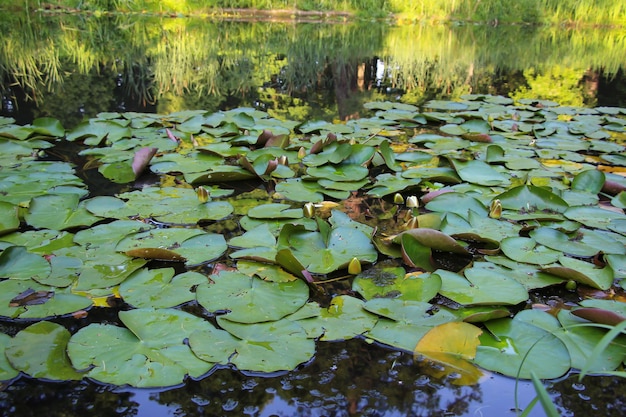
[
  {"x": 412, "y": 202},
  {"x": 570, "y": 285},
  {"x": 309, "y": 210},
  {"x": 301, "y": 152},
  {"x": 354, "y": 267},
  {"x": 282, "y": 160},
  {"x": 495, "y": 211},
  {"x": 203, "y": 194},
  {"x": 398, "y": 199}
]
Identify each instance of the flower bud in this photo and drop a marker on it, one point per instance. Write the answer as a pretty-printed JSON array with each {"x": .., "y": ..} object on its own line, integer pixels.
[
  {"x": 495, "y": 211},
  {"x": 412, "y": 202},
  {"x": 354, "y": 267},
  {"x": 309, "y": 210},
  {"x": 203, "y": 194},
  {"x": 398, "y": 199}
]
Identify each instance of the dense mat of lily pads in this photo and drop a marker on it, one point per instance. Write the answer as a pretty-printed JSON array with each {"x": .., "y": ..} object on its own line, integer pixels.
[{"x": 444, "y": 221}]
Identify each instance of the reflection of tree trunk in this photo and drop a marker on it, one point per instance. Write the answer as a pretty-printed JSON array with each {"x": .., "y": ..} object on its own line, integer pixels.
[
  {"x": 591, "y": 81},
  {"x": 344, "y": 82},
  {"x": 470, "y": 75}
]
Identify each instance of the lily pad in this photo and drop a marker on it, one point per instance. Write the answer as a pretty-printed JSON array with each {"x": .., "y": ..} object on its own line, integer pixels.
[
  {"x": 583, "y": 272},
  {"x": 523, "y": 249},
  {"x": 250, "y": 299},
  {"x": 7, "y": 372},
  {"x": 17, "y": 263},
  {"x": 451, "y": 346},
  {"x": 403, "y": 322},
  {"x": 159, "y": 288},
  {"x": 58, "y": 212},
  {"x": 150, "y": 352},
  {"x": 332, "y": 321},
  {"x": 516, "y": 347},
  {"x": 57, "y": 303},
  {"x": 393, "y": 282},
  {"x": 481, "y": 287},
  {"x": 39, "y": 351}
]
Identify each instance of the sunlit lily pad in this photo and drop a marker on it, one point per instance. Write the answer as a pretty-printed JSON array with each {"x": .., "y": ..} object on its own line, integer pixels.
[
  {"x": 250, "y": 299},
  {"x": 9, "y": 220},
  {"x": 39, "y": 351},
  {"x": 593, "y": 216},
  {"x": 58, "y": 212},
  {"x": 584, "y": 242},
  {"x": 481, "y": 287},
  {"x": 516, "y": 347},
  {"x": 150, "y": 352},
  {"x": 450, "y": 347},
  {"x": 580, "y": 340},
  {"x": 322, "y": 253}
]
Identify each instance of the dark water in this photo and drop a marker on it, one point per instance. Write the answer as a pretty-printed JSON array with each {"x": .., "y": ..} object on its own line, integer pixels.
[{"x": 71, "y": 67}]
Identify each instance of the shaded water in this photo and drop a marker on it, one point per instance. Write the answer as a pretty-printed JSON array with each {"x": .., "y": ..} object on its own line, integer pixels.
[{"x": 74, "y": 67}]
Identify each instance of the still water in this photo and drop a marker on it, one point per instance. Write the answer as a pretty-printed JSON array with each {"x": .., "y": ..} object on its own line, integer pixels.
[{"x": 71, "y": 67}]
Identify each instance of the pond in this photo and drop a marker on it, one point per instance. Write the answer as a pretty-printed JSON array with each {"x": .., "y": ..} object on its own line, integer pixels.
[{"x": 318, "y": 80}]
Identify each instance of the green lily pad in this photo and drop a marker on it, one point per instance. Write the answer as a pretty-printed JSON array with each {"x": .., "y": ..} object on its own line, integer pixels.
[
  {"x": 481, "y": 287},
  {"x": 530, "y": 276},
  {"x": 523, "y": 249},
  {"x": 58, "y": 212},
  {"x": 457, "y": 203},
  {"x": 322, "y": 254},
  {"x": 403, "y": 322},
  {"x": 516, "y": 347},
  {"x": 264, "y": 347},
  {"x": 579, "y": 340},
  {"x": 590, "y": 180},
  {"x": 192, "y": 246},
  {"x": 275, "y": 211},
  {"x": 392, "y": 282},
  {"x": 39, "y": 351},
  {"x": 584, "y": 242},
  {"x": 479, "y": 172},
  {"x": 40, "y": 241},
  {"x": 299, "y": 190},
  {"x": 7, "y": 372},
  {"x": 54, "y": 303},
  {"x": 529, "y": 198},
  {"x": 150, "y": 352},
  {"x": 332, "y": 321},
  {"x": 17, "y": 263},
  {"x": 250, "y": 299},
  {"x": 594, "y": 217},
  {"x": 9, "y": 219},
  {"x": 583, "y": 272},
  {"x": 167, "y": 205},
  {"x": 159, "y": 288}
]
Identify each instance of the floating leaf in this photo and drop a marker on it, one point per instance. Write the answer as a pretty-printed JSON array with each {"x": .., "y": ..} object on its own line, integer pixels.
[
  {"x": 58, "y": 212},
  {"x": 404, "y": 322},
  {"x": 332, "y": 321},
  {"x": 452, "y": 345},
  {"x": 250, "y": 299},
  {"x": 582, "y": 272},
  {"x": 7, "y": 372},
  {"x": 523, "y": 249},
  {"x": 17, "y": 263},
  {"x": 150, "y": 352},
  {"x": 159, "y": 288},
  {"x": 392, "y": 282},
  {"x": 57, "y": 304},
  {"x": 515, "y": 347},
  {"x": 481, "y": 287},
  {"x": 39, "y": 351}
]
